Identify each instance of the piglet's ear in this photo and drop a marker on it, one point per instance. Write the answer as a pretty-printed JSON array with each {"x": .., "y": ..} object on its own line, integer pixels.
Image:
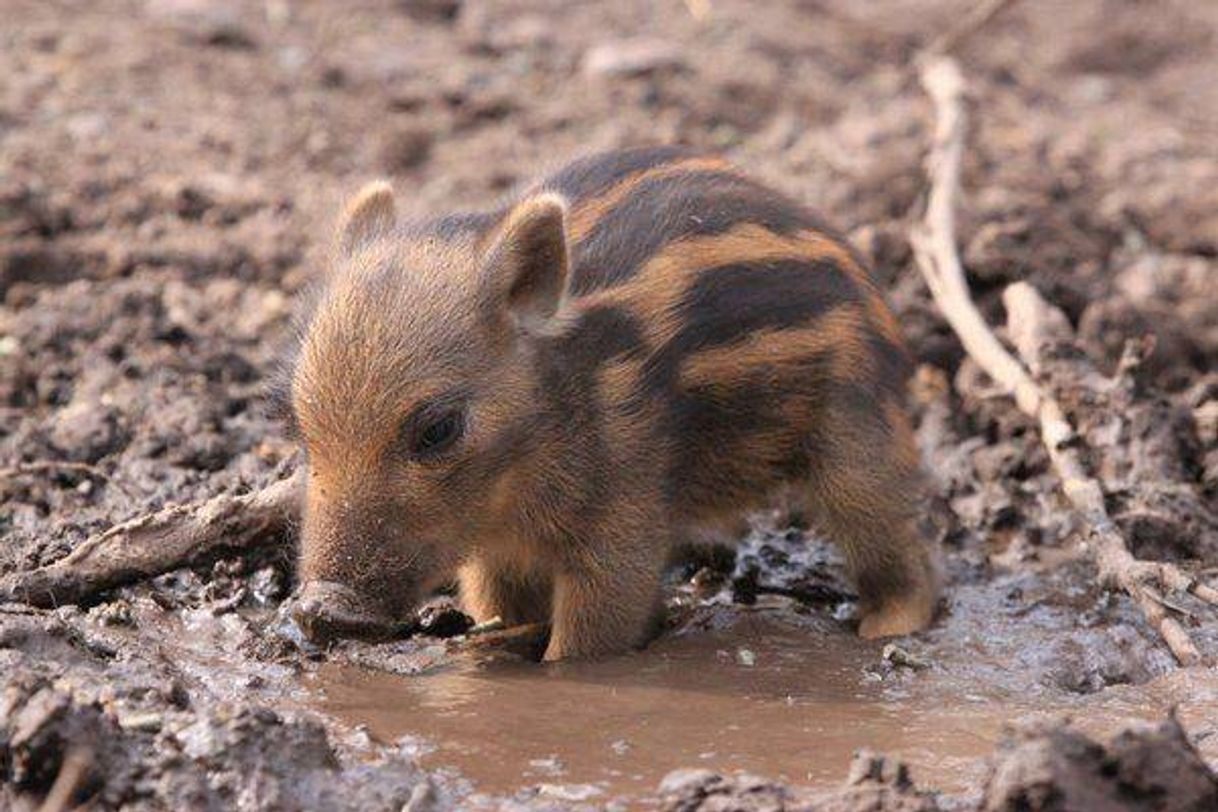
[
  {"x": 525, "y": 270},
  {"x": 370, "y": 214}
]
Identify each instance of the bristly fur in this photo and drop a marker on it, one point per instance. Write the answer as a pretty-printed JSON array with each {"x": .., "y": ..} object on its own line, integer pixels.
[
  {"x": 277, "y": 393},
  {"x": 647, "y": 344}
]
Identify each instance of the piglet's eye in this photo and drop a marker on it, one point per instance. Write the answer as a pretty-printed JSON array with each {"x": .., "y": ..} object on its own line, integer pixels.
[{"x": 438, "y": 434}]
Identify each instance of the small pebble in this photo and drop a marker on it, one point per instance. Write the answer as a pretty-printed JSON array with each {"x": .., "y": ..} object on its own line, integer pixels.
[
  {"x": 899, "y": 657},
  {"x": 149, "y": 721},
  {"x": 572, "y": 793},
  {"x": 631, "y": 57},
  {"x": 687, "y": 780},
  {"x": 422, "y": 797}
]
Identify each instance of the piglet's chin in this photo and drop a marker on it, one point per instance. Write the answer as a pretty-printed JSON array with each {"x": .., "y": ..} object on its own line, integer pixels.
[{"x": 326, "y": 611}]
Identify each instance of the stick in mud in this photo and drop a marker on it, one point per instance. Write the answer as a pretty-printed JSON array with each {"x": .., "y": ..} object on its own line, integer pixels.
[
  {"x": 972, "y": 21},
  {"x": 934, "y": 245},
  {"x": 498, "y": 634},
  {"x": 50, "y": 466},
  {"x": 72, "y": 775},
  {"x": 158, "y": 542},
  {"x": 39, "y": 467}
]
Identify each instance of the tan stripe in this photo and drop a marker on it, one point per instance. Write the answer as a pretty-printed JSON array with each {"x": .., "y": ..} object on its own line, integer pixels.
[
  {"x": 906, "y": 447},
  {"x": 877, "y": 308},
  {"x": 586, "y": 213},
  {"x": 618, "y": 382},
  {"x": 840, "y": 332}
]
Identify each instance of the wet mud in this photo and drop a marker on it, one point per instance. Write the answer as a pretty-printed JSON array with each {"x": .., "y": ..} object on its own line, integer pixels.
[
  {"x": 773, "y": 688},
  {"x": 793, "y": 702},
  {"x": 169, "y": 171}
]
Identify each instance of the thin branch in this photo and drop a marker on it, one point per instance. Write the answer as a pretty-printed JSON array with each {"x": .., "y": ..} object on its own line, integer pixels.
[
  {"x": 700, "y": 10},
  {"x": 32, "y": 467},
  {"x": 934, "y": 244},
  {"x": 72, "y": 775},
  {"x": 527, "y": 633},
  {"x": 159, "y": 542},
  {"x": 526, "y": 640},
  {"x": 51, "y": 466},
  {"x": 975, "y": 19},
  {"x": 1117, "y": 566}
]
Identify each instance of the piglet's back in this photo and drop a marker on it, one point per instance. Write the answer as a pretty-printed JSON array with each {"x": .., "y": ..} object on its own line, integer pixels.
[{"x": 735, "y": 310}]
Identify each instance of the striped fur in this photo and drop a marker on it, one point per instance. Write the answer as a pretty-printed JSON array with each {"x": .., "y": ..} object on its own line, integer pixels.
[{"x": 679, "y": 346}]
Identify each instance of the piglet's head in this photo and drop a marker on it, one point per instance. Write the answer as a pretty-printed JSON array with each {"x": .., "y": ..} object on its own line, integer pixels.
[{"x": 412, "y": 395}]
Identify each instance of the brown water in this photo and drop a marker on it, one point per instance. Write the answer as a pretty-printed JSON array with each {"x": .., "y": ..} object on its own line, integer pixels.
[{"x": 763, "y": 696}]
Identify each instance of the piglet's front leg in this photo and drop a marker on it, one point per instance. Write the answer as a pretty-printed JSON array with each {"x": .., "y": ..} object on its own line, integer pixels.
[{"x": 606, "y": 610}]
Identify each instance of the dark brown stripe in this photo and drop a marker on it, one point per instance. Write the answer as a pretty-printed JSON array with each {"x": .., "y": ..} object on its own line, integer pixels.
[
  {"x": 731, "y": 302},
  {"x": 664, "y": 209},
  {"x": 570, "y": 364},
  {"x": 595, "y": 174},
  {"x": 586, "y": 213},
  {"x": 893, "y": 367},
  {"x": 748, "y": 418},
  {"x": 732, "y": 442}
]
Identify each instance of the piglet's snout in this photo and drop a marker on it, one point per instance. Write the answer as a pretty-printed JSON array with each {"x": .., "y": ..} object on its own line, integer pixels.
[{"x": 326, "y": 611}]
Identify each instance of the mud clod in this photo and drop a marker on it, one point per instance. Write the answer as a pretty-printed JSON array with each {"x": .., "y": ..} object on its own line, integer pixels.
[
  {"x": 705, "y": 791},
  {"x": 1052, "y": 766}
]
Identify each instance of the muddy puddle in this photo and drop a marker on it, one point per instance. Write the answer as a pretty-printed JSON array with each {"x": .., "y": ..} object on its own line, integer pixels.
[{"x": 762, "y": 696}]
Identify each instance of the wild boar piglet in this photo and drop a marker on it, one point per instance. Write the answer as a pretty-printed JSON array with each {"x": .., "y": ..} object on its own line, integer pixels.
[{"x": 540, "y": 401}]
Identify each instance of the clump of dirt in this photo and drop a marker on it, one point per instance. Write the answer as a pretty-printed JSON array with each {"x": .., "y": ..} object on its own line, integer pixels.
[
  {"x": 86, "y": 713},
  {"x": 169, "y": 171},
  {"x": 873, "y": 784},
  {"x": 1046, "y": 765},
  {"x": 1052, "y": 766}
]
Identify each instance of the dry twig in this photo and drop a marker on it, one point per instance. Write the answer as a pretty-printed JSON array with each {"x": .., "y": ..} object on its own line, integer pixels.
[
  {"x": 33, "y": 467},
  {"x": 158, "y": 542},
  {"x": 528, "y": 633},
  {"x": 526, "y": 640},
  {"x": 934, "y": 244},
  {"x": 45, "y": 466},
  {"x": 700, "y": 10},
  {"x": 72, "y": 775},
  {"x": 976, "y": 18}
]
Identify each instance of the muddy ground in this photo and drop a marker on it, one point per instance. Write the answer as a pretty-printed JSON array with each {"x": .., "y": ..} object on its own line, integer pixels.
[{"x": 169, "y": 171}]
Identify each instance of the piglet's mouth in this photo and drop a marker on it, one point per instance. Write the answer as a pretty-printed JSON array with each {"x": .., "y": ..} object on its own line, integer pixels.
[{"x": 326, "y": 611}]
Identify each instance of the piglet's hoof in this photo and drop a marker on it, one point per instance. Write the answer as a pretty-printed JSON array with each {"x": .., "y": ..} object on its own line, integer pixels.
[{"x": 898, "y": 618}]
